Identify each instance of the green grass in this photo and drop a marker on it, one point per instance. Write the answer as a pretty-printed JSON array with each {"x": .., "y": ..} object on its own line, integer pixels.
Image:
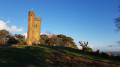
[
  {"x": 76, "y": 52},
  {"x": 34, "y": 56}
]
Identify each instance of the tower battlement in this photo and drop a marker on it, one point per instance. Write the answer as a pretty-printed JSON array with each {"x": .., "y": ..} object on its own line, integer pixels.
[
  {"x": 38, "y": 19},
  {"x": 31, "y": 13}
]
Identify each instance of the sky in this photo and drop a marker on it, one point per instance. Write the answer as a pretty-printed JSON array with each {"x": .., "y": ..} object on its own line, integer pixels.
[{"x": 83, "y": 20}]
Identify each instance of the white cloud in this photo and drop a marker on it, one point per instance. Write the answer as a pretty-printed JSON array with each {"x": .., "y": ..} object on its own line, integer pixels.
[
  {"x": 3, "y": 25},
  {"x": 117, "y": 41},
  {"x": 111, "y": 46},
  {"x": 25, "y": 34},
  {"x": 91, "y": 46},
  {"x": 8, "y": 21}
]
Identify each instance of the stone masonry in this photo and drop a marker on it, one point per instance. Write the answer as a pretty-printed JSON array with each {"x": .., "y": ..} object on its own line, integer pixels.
[{"x": 34, "y": 27}]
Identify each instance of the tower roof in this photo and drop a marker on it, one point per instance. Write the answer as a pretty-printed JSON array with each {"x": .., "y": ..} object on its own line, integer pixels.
[
  {"x": 32, "y": 12},
  {"x": 37, "y": 19}
]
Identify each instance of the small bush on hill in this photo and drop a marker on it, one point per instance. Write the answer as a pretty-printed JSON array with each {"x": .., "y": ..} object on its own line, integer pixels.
[
  {"x": 88, "y": 49},
  {"x": 109, "y": 55},
  {"x": 106, "y": 55},
  {"x": 98, "y": 51}
]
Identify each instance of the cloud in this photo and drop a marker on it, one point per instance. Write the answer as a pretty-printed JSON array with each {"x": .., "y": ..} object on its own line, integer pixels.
[
  {"x": 111, "y": 46},
  {"x": 117, "y": 41},
  {"x": 118, "y": 45},
  {"x": 3, "y": 25},
  {"x": 91, "y": 46},
  {"x": 8, "y": 21},
  {"x": 25, "y": 34}
]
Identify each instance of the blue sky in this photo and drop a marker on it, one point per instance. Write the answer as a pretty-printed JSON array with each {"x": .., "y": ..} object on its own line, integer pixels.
[{"x": 83, "y": 20}]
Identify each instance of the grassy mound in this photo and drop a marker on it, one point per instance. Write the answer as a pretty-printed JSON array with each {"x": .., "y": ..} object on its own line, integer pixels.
[{"x": 51, "y": 56}]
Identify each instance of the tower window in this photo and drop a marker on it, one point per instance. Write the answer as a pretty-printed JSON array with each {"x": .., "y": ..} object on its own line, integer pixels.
[{"x": 35, "y": 25}]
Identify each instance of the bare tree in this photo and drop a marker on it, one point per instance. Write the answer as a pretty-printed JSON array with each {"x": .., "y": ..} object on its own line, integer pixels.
[
  {"x": 84, "y": 45},
  {"x": 117, "y": 21}
]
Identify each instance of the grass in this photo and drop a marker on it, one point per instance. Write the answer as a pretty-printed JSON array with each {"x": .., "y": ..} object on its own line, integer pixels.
[
  {"x": 35, "y": 56},
  {"x": 80, "y": 53}
]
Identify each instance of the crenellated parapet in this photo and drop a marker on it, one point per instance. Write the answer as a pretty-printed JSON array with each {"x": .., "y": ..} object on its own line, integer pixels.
[{"x": 38, "y": 19}]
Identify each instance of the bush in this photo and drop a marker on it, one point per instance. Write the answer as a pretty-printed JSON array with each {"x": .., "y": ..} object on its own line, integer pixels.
[
  {"x": 115, "y": 55},
  {"x": 88, "y": 49},
  {"x": 106, "y": 55},
  {"x": 109, "y": 54},
  {"x": 98, "y": 51}
]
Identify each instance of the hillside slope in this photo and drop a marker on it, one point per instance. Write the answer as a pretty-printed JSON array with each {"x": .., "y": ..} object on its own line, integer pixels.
[{"x": 51, "y": 56}]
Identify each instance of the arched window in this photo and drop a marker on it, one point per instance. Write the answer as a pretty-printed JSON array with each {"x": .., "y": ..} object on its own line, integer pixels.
[{"x": 35, "y": 25}]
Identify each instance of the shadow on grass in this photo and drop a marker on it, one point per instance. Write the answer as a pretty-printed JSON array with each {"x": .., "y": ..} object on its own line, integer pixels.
[
  {"x": 22, "y": 57},
  {"x": 85, "y": 58},
  {"x": 80, "y": 53},
  {"x": 35, "y": 56}
]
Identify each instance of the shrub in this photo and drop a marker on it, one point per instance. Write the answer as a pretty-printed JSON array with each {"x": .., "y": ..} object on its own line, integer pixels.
[
  {"x": 115, "y": 55},
  {"x": 106, "y": 55},
  {"x": 88, "y": 49},
  {"x": 109, "y": 54}
]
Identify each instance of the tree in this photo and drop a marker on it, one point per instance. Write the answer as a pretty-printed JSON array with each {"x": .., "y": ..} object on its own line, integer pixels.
[
  {"x": 3, "y": 36},
  {"x": 20, "y": 38},
  {"x": 84, "y": 45},
  {"x": 12, "y": 40},
  {"x": 43, "y": 39},
  {"x": 88, "y": 49},
  {"x": 52, "y": 40},
  {"x": 66, "y": 41},
  {"x": 57, "y": 40},
  {"x": 117, "y": 22}
]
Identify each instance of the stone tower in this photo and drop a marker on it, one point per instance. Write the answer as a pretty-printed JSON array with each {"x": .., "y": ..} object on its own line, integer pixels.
[{"x": 34, "y": 27}]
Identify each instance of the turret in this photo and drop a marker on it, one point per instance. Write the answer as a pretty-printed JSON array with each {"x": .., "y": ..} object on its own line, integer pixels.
[{"x": 31, "y": 17}]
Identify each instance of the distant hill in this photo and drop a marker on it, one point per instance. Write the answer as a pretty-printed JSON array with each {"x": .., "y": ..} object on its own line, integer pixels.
[
  {"x": 113, "y": 52},
  {"x": 51, "y": 56}
]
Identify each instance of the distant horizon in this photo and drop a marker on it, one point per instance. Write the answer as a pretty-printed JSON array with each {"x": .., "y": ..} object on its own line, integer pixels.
[{"x": 83, "y": 20}]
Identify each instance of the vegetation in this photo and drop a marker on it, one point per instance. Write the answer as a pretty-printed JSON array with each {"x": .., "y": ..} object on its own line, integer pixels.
[
  {"x": 54, "y": 51},
  {"x": 20, "y": 38},
  {"x": 52, "y": 40},
  {"x": 85, "y": 46},
  {"x": 51, "y": 56},
  {"x": 117, "y": 22},
  {"x": 43, "y": 38},
  {"x": 6, "y": 39},
  {"x": 3, "y": 36},
  {"x": 57, "y": 40},
  {"x": 12, "y": 40},
  {"x": 98, "y": 51}
]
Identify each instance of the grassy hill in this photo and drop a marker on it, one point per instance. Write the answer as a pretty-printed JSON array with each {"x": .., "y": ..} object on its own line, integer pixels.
[{"x": 51, "y": 56}]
